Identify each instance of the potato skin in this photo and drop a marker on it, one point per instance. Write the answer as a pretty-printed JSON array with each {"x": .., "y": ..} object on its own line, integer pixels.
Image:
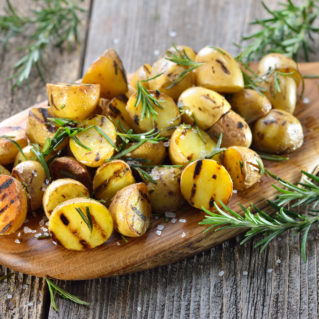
[
  {"x": 131, "y": 210},
  {"x": 278, "y": 132},
  {"x": 203, "y": 105},
  {"x": 8, "y": 151},
  {"x": 250, "y": 104},
  {"x": 242, "y": 165},
  {"x": 60, "y": 191},
  {"x": 4, "y": 171},
  {"x": 73, "y": 101},
  {"x": 32, "y": 176},
  {"x": 236, "y": 132},
  {"x": 166, "y": 194},
  {"x": 204, "y": 182},
  {"x": 68, "y": 229},
  {"x": 109, "y": 73},
  {"x": 219, "y": 72},
  {"x": 13, "y": 205}
]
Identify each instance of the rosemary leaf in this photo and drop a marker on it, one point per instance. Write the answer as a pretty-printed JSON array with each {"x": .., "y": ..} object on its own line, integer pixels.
[
  {"x": 273, "y": 157},
  {"x": 10, "y": 138},
  {"x": 86, "y": 218},
  {"x": 36, "y": 151}
]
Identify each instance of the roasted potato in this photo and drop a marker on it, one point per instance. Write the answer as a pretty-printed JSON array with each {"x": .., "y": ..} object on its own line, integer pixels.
[
  {"x": 154, "y": 154},
  {"x": 242, "y": 165},
  {"x": 250, "y": 104},
  {"x": 204, "y": 106},
  {"x": 109, "y": 73},
  {"x": 171, "y": 71},
  {"x": 110, "y": 178},
  {"x": 80, "y": 223},
  {"x": 74, "y": 101},
  {"x": 278, "y": 132},
  {"x": 13, "y": 205},
  {"x": 131, "y": 210},
  {"x": 99, "y": 148},
  {"x": 8, "y": 151},
  {"x": 188, "y": 144},
  {"x": 60, "y": 191},
  {"x": 204, "y": 182},
  {"x": 219, "y": 71},
  {"x": 4, "y": 171},
  {"x": 167, "y": 117},
  {"x": 69, "y": 167},
  {"x": 142, "y": 73},
  {"x": 32, "y": 176},
  {"x": 234, "y": 128},
  {"x": 166, "y": 193},
  {"x": 281, "y": 63}
]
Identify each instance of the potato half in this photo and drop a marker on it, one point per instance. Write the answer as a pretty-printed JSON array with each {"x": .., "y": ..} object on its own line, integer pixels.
[
  {"x": 4, "y": 171},
  {"x": 142, "y": 73},
  {"x": 69, "y": 229},
  {"x": 204, "y": 182}
]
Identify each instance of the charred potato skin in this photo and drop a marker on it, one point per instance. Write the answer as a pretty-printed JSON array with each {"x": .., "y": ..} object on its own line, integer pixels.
[
  {"x": 166, "y": 194},
  {"x": 235, "y": 130},
  {"x": 203, "y": 105},
  {"x": 250, "y": 104},
  {"x": 109, "y": 73},
  {"x": 131, "y": 210},
  {"x": 13, "y": 205},
  {"x": 278, "y": 132},
  {"x": 242, "y": 164}
]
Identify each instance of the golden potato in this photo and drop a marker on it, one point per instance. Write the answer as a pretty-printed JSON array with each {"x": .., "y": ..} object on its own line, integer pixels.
[
  {"x": 109, "y": 73},
  {"x": 99, "y": 148},
  {"x": 204, "y": 106},
  {"x": 142, "y": 73},
  {"x": 204, "y": 182},
  {"x": 131, "y": 210},
  {"x": 234, "y": 129},
  {"x": 8, "y": 150},
  {"x": 278, "y": 132},
  {"x": 219, "y": 71},
  {"x": 167, "y": 116},
  {"x": 13, "y": 205},
  {"x": 80, "y": 224},
  {"x": 60, "y": 191},
  {"x": 32, "y": 176},
  {"x": 110, "y": 178},
  {"x": 250, "y": 104},
  {"x": 166, "y": 194},
  {"x": 4, "y": 171},
  {"x": 73, "y": 101},
  {"x": 281, "y": 63},
  {"x": 188, "y": 144},
  {"x": 242, "y": 165}
]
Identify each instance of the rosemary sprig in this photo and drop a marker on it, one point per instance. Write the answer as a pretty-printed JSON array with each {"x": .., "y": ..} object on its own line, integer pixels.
[
  {"x": 53, "y": 288},
  {"x": 10, "y": 139},
  {"x": 143, "y": 173},
  {"x": 289, "y": 30},
  {"x": 217, "y": 149},
  {"x": 86, "y": 218},
  {"x": 39, "y": 155},
  {"x": 273, "y": 157}
]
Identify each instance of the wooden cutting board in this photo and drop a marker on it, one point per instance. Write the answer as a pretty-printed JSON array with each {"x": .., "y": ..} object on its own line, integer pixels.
[{"x": 177, "y": 240}]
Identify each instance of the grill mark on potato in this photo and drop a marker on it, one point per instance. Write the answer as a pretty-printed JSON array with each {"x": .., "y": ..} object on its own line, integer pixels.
[
  {"x": 102, "y": 120},
  {"x": 214, "y": 176},
  {"x": 54, "y": 238},
  {"x": 138, "y": 212},
  {"x": 84, "y": 243},
  {"x": 39, "y": 119},
  {"x": 240, "y": 125},
  {"x": 4, "y": 208},
  {"x": 115, "y": 67},
  {"x": 45, "y": 115},
  {"x": 123, "y": 72},
  {"x": 197, "y": 169},
  {"x": 157, "y": 93},
  {"x": 207, "y": 97},
  {"x": 6, "y": 184},
  {"x": 52, "y": 102},
  {"x": 5, "y": 228},
  {"x": 270, "y": 121},
  {"x": 64, "y": 220},
  {"x": 144, "y": 196},
  {"x": 193, "y": 192},
  {"x": 211, "y": 202},
  {"x": 122, "y": 98},
  {"x": 116, "y": 174},
  {"x": 223, "y": 66},
  {"x": 136, "y": 119},
  {"x": 147, "y": 71},
  {"x": 4, "y": 196},
  {"x": 114, "y": 110},
  {"x": 97, "y": 157},
  {"x": 98, "y": 228}
]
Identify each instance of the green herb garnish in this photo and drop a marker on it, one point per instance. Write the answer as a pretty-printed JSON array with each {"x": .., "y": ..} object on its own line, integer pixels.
[
  {"x": 86, "y": 218},
  {"x": 273, "y": 157}
]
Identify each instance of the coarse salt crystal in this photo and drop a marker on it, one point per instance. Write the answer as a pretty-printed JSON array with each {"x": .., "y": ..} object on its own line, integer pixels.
[
  {"x": 41, "y": 222},
  {"x": 54, "y": 243},
  {"x": 9, "y": 296},
  {"x": 170, "y": 214},
  {"x": 27, "y": 230},
  {"x": 173, "y": 220},
  {"x": 166, "y": 144},
  {"x": 172, "y": 34},
  {"x": 306, "y": 100},
  {"x": 17, "y": 241},
  {"x": 183, "y": 235},
  {"x": 47, "y": 223},
  {"x": 182, "y": 220},
  {"x": 44, "y": 228},
  {"x": 221, "y": 273},
  {"x": 245, "y": 273},
  {"x": 158, "y": 233},
  {"x": 30, "y": 304},
  {"x": 160, "y": 227},
  {"x": 118, "y": 243},
  {"x": 278, "y": 261},
  {"x": 139, "y": 308},
  {"x": 235, "y": 191},
  {"x": 19, "y": 234}
]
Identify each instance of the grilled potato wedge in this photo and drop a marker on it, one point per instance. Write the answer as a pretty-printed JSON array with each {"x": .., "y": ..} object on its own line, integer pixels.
[
  {"x": 32, "y": 176},
  {"x": 8, "y": 151},
  {"x": 219, "y": 71},
  {"x": 73, "y": 101},
  {"x": 204, "y": 182},
  {"x": 242, "y": 165},
  {"x": 234, "y": 128},
  {"x": 166, "y": 193},
  {"x": 188, "y": 144},
  {"x": 110, "y": 178},
  {"x": 204, "y": 106},
  {"x": 100, "y": 148},
  {"x": 4, "y": 171},
  {"x": 167, "y": 117},
  {"x": 109, "y": 73},
  {"x": 131, "y": 210},
  {"x": 142, "y": 73},
  {"x": 69, "y": 167},
  {"x": 13, "y": 205},
  {"x": 60, "y": 191},
  {"x": 69, "y": 229}
]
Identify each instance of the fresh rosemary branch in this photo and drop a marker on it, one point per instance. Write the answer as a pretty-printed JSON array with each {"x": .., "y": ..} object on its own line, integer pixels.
[
  {"x": 289, "y": 30},
  {"x": 273, "y": 157},
  {"x": 143, "y": 173},
  {"x": 39, "y": 155},
  {"x": 86, "y": 218},
  {"x": 217, "y": 148},
  {"x": 53, "y": 288}
]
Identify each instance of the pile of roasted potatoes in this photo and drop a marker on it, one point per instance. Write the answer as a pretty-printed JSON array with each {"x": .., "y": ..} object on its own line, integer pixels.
[{"x": 108, "y": 150}]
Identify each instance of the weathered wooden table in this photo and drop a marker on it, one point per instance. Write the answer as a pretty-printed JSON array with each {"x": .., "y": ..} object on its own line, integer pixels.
[{"x": 229, "y": 281}]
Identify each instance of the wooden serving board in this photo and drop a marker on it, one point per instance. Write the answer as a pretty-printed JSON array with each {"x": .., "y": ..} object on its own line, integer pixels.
[{"x": 177, "y": 240}]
